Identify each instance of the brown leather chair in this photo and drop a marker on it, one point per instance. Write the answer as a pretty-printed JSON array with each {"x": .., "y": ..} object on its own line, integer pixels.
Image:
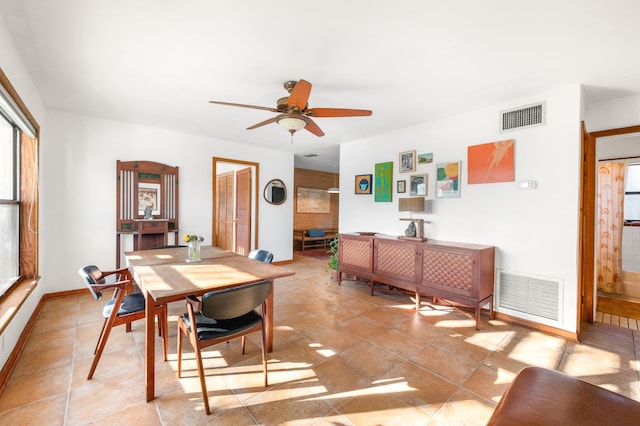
[{"x": 538, "y": 396}]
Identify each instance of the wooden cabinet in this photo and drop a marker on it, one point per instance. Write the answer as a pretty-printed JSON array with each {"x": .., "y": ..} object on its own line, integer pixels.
[
  {"x": 150, "y": 233},
  {"x": 140, "y": 185},
  {"x": 455, "y": 272},
  {"x": 458, "y": 272}
]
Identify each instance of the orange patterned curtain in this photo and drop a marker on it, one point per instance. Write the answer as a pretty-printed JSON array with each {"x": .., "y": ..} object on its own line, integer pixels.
[{"x": 610, "y": 212}]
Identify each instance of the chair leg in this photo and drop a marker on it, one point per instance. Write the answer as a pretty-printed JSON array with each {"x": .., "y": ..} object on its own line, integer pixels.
[
  {"x": 104, "y": 324},
  {"x": 244, "y": 340},
  {"x": 179, "y": 348},
  {"x": 203, "y": 383},
  {"x": 163, "y": 329},
  {"x": 102, "y": 341},
  {"x": 264, "y": 352}
]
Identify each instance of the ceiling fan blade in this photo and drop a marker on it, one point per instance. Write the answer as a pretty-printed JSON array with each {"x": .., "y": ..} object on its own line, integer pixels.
[
  {"x": 264, "y": 123},
  {"x": 337, "y": 112},
  {"x": 300, "y": 95},
  {"x": 244, "y": 106},
  {"x": 313, "y": 128}
]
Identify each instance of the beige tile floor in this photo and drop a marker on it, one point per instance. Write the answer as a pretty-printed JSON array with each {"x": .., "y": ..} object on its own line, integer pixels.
[{"x": 341, "y": 357}]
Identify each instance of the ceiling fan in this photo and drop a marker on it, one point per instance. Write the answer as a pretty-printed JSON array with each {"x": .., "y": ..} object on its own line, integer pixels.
[{"x": 294, "y": 112}]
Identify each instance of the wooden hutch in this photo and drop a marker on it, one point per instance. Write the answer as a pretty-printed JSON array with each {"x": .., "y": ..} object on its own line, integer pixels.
[
  {"x": 447, "y": 271},
  {"x": 141, "y": 185}
]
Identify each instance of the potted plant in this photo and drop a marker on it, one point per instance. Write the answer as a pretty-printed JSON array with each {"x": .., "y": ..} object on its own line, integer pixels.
[{"x": 333, "y": 258}]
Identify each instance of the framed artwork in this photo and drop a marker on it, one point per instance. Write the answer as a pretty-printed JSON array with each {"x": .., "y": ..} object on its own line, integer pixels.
[
  {"x": 309, "y": 200},
  {"x": 384, "y": 182},
  {"x": 363, "y": 184},
  {"x": 425, "y": 158},
  {"x": 148, "y": 195},
  {"x": 491, "y": 162},
  {"x": 407, "y": 161},
  {"x": 418, "y": 185},
  {"x": 402, "y": 186},
  {"x": 448, "y": 180}
]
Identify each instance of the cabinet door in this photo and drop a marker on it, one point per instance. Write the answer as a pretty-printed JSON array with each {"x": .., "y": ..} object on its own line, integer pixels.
[
  {"x": 449, "y": 269},
  {"x": 397, "y": 261},
  {"x": 356, "y": 254}
]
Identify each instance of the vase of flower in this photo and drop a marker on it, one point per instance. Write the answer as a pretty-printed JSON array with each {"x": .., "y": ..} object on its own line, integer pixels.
[{"x": 193, "y": 254}]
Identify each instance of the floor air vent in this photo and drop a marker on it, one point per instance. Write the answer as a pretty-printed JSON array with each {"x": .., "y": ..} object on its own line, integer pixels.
[
  {"x": 527, "y": 116},
  {"x": 535, "y": 297}
]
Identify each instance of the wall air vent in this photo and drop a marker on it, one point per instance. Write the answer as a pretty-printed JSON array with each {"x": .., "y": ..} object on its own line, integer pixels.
[
  {"x": 522, "y": 117},
  {"x": 529, "y": 297}
]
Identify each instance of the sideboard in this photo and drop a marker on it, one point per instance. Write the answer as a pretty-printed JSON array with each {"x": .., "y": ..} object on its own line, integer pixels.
[{"x": 461, "y": 273}]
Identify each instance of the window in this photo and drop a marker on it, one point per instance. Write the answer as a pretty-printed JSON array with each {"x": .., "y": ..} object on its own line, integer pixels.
[
  {"x": 632, "y": 193},
  {"x": 18, "y": 197},
  {"x": 9, "y": 205}
]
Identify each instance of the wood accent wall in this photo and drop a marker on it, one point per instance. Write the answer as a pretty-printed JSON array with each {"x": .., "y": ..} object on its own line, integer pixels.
[{"x": 316, "y": 180}]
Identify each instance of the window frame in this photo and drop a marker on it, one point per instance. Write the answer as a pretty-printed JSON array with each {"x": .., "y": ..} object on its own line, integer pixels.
[
  {"x": 14, "y": 273},
  {"x": 27, "y": 195},
  {"x": 635, "y": 193}
]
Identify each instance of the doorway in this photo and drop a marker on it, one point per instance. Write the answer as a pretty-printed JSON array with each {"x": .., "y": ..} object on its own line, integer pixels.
[
  {"x": 587, "y": 238},
  {"x": 235, "y": 205}
]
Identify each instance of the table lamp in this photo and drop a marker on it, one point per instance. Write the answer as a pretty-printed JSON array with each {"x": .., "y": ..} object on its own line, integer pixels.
[{"x": 412, "y": 204}]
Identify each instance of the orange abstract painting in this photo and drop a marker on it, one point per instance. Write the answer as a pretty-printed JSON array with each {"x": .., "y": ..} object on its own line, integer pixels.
[{"x": 491, "y": 162}]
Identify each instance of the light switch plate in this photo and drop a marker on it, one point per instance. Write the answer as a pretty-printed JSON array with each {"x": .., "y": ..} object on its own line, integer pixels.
[{"x": 528, "y": 184}]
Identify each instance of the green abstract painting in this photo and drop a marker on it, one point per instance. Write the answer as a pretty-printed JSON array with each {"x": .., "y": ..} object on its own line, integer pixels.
[{"x": 384, "y": 182}]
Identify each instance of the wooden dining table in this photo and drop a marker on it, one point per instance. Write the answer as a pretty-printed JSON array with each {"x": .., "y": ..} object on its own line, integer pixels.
[{"x": 165, "y": 276}]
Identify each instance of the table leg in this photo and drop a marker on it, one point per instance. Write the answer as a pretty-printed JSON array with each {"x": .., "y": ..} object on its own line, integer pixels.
[
  {"x": 269, "y": 320},
  {"x": 150, "y": 349}
]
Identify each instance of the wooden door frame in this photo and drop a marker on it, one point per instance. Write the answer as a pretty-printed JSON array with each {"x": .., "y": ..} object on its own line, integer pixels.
[
  {"x": 254, "y": 188},
  {"x": 586, "y": 239}
]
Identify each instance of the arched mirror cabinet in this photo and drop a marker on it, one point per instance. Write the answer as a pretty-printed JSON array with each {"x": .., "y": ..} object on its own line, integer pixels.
[{"x": 146, "y": 204}]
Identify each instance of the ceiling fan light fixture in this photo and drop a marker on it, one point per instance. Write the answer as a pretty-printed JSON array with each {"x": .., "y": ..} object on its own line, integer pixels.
[{"x": 292, "y": 123}]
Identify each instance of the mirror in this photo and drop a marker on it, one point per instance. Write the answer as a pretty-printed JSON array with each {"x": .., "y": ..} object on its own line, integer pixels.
[{"x": 275, "y": 192}]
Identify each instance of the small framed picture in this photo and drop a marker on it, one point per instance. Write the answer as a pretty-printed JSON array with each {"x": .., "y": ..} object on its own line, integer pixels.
[
  {"x": 148, "y": 196},
  {"x": 363, "y": 184},
  {"x": 425, "y": 158},
  {"x": 402, "y": 186},
  {"x": 418, "y": 185},
  {"x": 448, "y": 179},
  {"x": 408, "y": 161}
]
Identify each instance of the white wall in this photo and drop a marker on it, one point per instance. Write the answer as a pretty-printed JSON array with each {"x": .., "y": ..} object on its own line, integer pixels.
[
  {"x": 78, "y": 190},
  {"x": 614, "y": 114},
  {"x": 535, "y": 231}
]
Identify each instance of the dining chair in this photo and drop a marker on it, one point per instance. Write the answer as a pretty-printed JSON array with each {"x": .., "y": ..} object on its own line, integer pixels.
[
  {"x": 123, "y": 308},
  {"x": 224, "y": 315},
  {"x": 261, "y": 255}
]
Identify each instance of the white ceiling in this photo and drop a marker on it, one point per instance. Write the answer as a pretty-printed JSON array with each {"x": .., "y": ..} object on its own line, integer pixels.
[{"x": 159, "y": 62}]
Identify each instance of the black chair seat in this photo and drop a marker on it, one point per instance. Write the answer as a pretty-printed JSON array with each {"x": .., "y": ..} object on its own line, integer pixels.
[
  {"x": 131, "y": 303},
  {"x": 209, "y": 328}
]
